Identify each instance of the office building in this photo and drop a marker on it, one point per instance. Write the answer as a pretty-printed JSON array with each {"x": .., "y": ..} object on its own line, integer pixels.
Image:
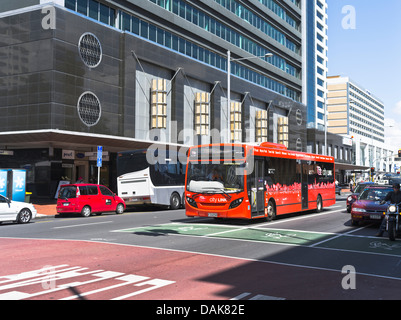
[
  {"x": 76, "y": 74},
  {"x": 358, "y": 115},
  {"x": 315, "y": 51}
]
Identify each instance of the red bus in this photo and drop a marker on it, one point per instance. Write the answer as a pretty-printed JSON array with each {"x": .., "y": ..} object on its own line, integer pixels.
[{"x": 256, "y": 181}]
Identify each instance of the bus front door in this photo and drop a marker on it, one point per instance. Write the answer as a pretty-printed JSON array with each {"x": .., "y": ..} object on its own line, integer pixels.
[
  {"x": 256, "y": 188},
  {"x": 304, "y": 185}
]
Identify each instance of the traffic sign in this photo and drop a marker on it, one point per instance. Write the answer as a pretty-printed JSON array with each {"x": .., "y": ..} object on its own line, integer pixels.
[{"x": 99, "y": 155}]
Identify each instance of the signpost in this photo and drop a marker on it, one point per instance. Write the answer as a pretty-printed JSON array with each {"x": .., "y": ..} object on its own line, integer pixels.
[{"x": 99, "y": 162}]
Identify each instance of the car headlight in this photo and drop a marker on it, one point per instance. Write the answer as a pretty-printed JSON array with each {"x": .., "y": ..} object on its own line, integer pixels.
[
  {"x": 236, "y": 203},
  {"x": 358, "y": 210},
  {"x": 349, "y": 198},
  {"x": 392, "y": 208}
]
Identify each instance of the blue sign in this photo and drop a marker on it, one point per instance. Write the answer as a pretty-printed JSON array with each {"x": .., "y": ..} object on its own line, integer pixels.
[
  {"x": 3, "y": 182},
  {"x": 19, "y": 183},
  {"x": 99, "y": 155}
]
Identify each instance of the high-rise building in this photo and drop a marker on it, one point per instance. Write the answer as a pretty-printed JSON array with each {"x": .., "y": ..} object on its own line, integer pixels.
[
  {"x": 358, "y": 115},
  {"x": 315, "y": 61}
]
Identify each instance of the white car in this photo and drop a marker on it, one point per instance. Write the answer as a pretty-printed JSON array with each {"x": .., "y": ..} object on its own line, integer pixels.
[{"x": 20, "y": 212}]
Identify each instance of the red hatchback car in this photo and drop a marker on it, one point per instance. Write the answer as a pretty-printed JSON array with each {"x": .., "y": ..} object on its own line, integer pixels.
[{"x": 87, "y": 198}]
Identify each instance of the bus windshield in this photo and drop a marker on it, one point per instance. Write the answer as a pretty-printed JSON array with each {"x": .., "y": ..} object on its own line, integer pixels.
[
  {"x": 131, "y": 161},
  {"x": 214, "y": 178}
]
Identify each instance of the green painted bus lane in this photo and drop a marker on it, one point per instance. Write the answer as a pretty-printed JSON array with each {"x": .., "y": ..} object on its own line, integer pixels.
[
  {"x": 322, "y": 240},
  {"x": 363, "y": 244},
  {"x": 179, "y": 229},
  {"x": 293, "y": 237}
]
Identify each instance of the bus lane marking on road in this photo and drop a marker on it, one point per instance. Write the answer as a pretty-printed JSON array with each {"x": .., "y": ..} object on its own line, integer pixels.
[
  {"x": 319, "y": 240},
  {"x": 295, "y": 237}
]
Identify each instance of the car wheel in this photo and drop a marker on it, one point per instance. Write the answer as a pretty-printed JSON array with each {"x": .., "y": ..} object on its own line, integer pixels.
[
  {"x": 120, "y": 208},
  {"x": 175, "y": 201},
  {"x": 24, "y": 216},
  {"x": 86, "y": 211},
  {"x": 354, "y": 223}
]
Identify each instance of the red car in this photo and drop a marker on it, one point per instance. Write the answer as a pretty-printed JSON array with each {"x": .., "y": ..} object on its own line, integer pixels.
[
  {"x": 354, "y": 196},
  {"x": 87, "y": 198},
  {"x": 368, "y": 207}
]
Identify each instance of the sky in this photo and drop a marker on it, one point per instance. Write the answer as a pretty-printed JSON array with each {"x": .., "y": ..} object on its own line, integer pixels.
[{"x": 365, "y": 44}]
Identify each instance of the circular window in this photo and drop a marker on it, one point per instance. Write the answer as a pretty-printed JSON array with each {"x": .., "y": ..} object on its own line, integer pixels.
[
  {"x": 89, "y": 109},
  {"x": 90, "y": 50}
]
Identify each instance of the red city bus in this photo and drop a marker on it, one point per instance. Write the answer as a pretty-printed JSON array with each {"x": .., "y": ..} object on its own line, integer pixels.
[{"x": 256, "y": 181}]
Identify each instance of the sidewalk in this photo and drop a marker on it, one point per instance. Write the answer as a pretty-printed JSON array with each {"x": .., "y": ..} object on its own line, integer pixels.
[{"x": 46, "y": 208}]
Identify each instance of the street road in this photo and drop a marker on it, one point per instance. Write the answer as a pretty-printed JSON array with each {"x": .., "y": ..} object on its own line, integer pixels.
[{"x": 162, "y": 254}]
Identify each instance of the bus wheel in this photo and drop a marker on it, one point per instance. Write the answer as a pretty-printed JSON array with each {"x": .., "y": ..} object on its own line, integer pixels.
[
  {"x": 271, "y": 211},
  {"x": 175, "y": 201},
  {"x": 319, "y": 204}
]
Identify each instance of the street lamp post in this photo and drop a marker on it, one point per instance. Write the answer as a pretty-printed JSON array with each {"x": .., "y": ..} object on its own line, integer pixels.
[{"x": 229, "y": 60}]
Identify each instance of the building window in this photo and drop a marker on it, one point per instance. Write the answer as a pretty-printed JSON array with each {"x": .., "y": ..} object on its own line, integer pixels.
[
  {"x": 202, "y": 107},
  {"x": 282, "y": 124},
  {"x": 261, "y": 126},
  {"x": 158, "y": 101},
  {"x": 236, "y": 121},
  {"x": 90, "y": 50},
  {"x": 89, "y": 108}
]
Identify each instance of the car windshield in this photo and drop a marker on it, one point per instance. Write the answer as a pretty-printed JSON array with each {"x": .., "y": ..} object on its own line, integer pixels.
[
  {"x": 214, "y": 178},
  {"x": 359, "y": 188},
  {"x": 374, "y": 194}
]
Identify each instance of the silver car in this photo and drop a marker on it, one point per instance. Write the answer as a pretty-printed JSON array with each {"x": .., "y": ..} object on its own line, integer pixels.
[{"x": 20, "y": 212}]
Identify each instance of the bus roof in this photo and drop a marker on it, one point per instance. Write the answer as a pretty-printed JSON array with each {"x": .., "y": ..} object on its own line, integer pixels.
[{"x": 269, "y": 149}]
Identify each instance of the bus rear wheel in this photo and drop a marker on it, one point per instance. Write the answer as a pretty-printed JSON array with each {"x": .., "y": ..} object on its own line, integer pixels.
[
  {"x": 271, "y": 211},
  {"x": 175, "y": 201}
]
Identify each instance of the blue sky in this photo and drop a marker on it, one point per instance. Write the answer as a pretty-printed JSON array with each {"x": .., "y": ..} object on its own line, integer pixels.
[{"x": 370, "y": 54}]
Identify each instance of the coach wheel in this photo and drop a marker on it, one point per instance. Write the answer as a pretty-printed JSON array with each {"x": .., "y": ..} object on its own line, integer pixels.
[
  {"x": 271, "y": 211},
  {"x": 319, "y": 204},
  {"x": 175, "y": 201}
]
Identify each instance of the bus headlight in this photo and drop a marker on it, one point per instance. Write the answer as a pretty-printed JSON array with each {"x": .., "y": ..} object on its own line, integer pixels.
[
  {"x": 236, "y": 203},
  {"x": 191, "y": 202}
]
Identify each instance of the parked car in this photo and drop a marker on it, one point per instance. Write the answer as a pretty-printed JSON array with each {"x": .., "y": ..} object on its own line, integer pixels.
[
  {"x": 354, "y": 196},
  {"x": 368, "y": 207},
  {"x": 20, "y": 212},
  {"x": 85, "y": 199}
]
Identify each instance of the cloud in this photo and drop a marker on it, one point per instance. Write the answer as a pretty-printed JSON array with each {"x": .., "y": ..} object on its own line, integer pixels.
[
  {"x": 392, "y": 132},
  {"x": 397, "y": 108}
]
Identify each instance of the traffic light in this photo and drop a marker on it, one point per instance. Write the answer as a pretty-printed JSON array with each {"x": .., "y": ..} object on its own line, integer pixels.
[
  {"x": 399, "y": 153},
  {"x": 372, "y": 170}
]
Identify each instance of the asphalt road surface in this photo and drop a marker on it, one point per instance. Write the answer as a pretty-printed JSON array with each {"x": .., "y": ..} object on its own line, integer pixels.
[{"x": 163, "y": 255}]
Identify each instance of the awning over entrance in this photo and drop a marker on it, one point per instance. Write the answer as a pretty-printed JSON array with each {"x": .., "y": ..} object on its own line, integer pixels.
[
  {"x": 350, "y": 167},
  {"x": 70, "y": 139}
]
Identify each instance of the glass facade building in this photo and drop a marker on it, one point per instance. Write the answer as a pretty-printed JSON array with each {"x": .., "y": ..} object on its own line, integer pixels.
[{"x": 76, "y": 74}]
